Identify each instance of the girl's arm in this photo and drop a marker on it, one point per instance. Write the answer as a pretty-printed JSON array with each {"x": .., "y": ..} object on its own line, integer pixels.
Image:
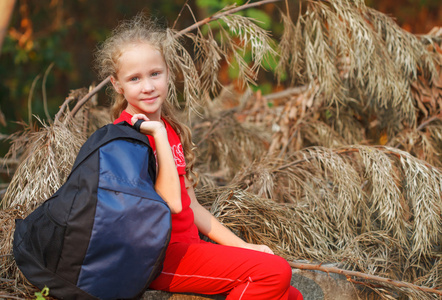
[
  {"x": 167, "y": 184},
  {"x": 208, "y": 225}
]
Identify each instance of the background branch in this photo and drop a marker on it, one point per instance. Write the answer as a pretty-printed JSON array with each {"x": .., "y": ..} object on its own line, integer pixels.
[{"x": 348, "y": 274}]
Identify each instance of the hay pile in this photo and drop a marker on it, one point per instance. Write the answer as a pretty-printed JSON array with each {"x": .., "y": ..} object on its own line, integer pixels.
[{"x": 374, "y": 209}]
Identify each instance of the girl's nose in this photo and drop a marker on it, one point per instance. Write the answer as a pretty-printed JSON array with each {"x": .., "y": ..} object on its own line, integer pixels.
[{"x": 147, "y": 87}]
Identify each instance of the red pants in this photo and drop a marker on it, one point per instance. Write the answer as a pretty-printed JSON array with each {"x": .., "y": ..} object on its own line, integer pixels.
[{"x": 208, "y": 268}]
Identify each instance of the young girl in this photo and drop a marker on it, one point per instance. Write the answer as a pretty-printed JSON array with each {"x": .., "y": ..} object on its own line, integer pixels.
[{"x": 133, "y": 57}]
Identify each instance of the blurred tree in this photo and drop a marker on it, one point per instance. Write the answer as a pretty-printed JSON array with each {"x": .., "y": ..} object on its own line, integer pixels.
[
  {"x": 416, "y": 16},
  {"x": 6, "y": 8}
]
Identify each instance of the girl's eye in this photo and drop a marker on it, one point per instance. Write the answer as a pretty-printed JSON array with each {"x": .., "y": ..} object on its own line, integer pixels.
[
  {"x": 154, "y": 74},
  {"x": 134, "y": 79}
]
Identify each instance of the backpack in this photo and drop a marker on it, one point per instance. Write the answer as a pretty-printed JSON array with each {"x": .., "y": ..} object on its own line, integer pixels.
[{"x": 104, "y": 233}]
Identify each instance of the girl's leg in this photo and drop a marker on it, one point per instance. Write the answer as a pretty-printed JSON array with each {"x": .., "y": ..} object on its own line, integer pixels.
[{"x": 214, "y": 269}]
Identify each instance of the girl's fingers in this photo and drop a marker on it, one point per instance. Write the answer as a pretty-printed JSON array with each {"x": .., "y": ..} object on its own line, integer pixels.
[
  {"x": 137, "y": 117},
  {"x": 262, "y": 248}
]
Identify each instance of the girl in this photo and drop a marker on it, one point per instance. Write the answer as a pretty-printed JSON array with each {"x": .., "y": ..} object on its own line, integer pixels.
[{"x": 134, "y": 58}]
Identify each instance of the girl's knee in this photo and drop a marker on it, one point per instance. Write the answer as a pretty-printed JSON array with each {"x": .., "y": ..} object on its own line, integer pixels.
[
  {"x": 286, "y": 270},
  {"x": 278, "y": 278},
  {"x": 286, "y": 278},
  {"x": 281, "y": 270}
]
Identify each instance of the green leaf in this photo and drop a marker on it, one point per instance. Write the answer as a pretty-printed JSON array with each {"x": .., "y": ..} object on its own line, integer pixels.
[
  {"x": 265, "y": 88},
  {"x": 21, "y": 57},
  {"x": 41, "y": 295},
  {"x": 208, "y": 3},
  {"x": 270, "y": 63},
  {"x": 225, "y": 3},
  {"x": 262, "y": 17},
  {"x": 233, "y": 70},
  {"x": 328, "y": 114}
]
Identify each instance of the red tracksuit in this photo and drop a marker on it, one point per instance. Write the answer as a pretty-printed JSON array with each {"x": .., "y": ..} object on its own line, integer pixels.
[{"x": 195, "y": 266}]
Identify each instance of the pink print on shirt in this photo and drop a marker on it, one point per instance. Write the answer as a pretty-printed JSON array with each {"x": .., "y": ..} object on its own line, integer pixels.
[{"x": 178, "y": 155}]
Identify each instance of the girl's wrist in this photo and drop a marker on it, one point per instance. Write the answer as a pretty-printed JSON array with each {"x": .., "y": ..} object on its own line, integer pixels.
[
  {"x": 159, "y": 132},
  {"x": 240, "y": 243}
]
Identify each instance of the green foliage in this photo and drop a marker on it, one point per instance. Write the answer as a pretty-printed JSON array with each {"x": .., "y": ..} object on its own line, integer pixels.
[
  {"x": 43, "y": 294},
  {"x": 21, "y": 64},
  {"x": 262, "y": 18},
  {"x": 63, "y": 33},
  {"x": 214, "y": 6}
]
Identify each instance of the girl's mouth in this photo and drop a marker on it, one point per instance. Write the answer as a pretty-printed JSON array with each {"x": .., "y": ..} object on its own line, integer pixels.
[{"x": 149, "y": 100}]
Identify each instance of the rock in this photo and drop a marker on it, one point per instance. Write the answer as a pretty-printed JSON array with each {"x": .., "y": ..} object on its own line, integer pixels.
[
  {"x": 317, "y": 285},
  {"x": 314, "y": 285},
  {"x": 160, "y": 295}
]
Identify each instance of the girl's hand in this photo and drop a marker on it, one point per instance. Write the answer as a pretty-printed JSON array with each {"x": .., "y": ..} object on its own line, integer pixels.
[
  {"x": 261, "y": 248},
  {"x": 137, "y": 117},
  {"x": 151, "y": 127}
]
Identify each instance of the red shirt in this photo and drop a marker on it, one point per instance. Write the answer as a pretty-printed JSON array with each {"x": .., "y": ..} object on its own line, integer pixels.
[{"x": 183, "y": 226}]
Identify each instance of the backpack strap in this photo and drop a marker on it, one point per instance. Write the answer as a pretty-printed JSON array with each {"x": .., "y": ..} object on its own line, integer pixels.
[
  {"x": 111, "y": 132},
  {"x": 137, "y": 124}
]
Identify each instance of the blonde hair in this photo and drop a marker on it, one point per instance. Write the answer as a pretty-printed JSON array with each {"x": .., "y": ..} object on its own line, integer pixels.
[{"x": 141, "y": 29}]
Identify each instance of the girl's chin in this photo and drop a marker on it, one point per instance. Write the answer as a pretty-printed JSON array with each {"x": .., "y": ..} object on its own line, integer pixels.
[{"x": 151, "y": 112}]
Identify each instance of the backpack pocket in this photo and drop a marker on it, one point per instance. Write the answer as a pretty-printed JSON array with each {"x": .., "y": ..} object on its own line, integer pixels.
[
  {"x": 41, "y": 237},
  {"x": 127, "y": 245}
]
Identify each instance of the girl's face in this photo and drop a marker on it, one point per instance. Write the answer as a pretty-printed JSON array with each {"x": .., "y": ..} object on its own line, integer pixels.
[{"x": 142, "y": 78}]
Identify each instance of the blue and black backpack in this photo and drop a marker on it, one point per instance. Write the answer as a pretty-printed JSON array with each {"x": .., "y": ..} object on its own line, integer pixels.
[{"x": 104, "y": 233}]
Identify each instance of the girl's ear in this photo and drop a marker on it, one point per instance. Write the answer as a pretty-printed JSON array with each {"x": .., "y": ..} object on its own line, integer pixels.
[{"x": 116, "y": 85}]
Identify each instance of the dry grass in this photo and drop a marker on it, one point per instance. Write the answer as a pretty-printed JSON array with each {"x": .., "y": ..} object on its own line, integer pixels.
[
  {"x": 224, "y": 145},
  {"x": 367, "y": 61},
  {"x": 376, "y": 210},
  {"x": 12, "y": 280},
  {"x": 49, "y": 155}
]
